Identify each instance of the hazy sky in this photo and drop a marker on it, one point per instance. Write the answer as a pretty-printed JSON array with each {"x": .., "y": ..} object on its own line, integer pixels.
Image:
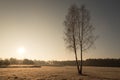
[{"x": 37, "y": 25}]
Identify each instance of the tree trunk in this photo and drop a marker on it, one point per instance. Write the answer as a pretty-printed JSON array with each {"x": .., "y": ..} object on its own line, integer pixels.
[
  {"x": 81, "y": 41},
  {"x": 81, "y": 60},
  {"x": 74, "y": 43},
  {"x": 77, "y": 63}
]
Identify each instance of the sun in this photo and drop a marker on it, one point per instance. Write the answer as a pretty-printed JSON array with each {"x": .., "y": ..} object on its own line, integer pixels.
[{"x": 21, "y": 51}]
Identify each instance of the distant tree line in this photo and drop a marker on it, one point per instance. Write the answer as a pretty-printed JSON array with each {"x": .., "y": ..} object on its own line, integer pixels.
[
  {"x": 90, "y": 62},
  {"x": 87, "y": 62},
  {"x": 102, "y": 62},
  {"x": 4, "y": 63}
]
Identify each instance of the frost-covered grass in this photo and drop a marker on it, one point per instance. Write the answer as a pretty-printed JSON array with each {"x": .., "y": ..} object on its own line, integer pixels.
[{"x": 59, "y": 73}]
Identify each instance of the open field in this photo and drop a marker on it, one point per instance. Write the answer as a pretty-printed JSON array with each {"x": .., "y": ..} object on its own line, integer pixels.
[{"x": 59, "y": 73}]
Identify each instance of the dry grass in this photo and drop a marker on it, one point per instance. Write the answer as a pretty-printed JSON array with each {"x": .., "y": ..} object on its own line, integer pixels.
[{"x": 59, "y": 73}]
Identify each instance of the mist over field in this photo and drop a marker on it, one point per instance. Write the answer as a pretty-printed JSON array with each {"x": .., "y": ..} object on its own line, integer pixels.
[{"x": 93, "y": 69}]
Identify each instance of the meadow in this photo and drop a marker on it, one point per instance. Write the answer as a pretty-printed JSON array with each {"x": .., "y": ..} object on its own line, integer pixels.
[{"x": 60, "y": 73}]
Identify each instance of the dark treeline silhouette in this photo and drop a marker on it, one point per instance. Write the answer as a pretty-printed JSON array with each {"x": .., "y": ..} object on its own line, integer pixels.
[
  {"x": 90, "y": 62},
  {"x": 4, "y": 63},
  {"x": 102, "y": 62},
  {"x": 27, "y": 61},
  {"x": 87, "y": 62}
]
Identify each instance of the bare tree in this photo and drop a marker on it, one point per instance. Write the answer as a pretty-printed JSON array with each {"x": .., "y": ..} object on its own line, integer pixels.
[
  {"x": 71, "y": 30},
  {"x": 86, "y": 37},
  {"x": 79, "y": 32}
]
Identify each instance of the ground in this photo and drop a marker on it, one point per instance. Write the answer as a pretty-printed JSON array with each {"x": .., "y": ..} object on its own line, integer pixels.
[{"x": 60, "y": 73}]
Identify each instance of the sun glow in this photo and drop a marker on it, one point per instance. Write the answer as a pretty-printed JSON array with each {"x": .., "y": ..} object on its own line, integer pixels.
[{"x": 21, "y": 51}]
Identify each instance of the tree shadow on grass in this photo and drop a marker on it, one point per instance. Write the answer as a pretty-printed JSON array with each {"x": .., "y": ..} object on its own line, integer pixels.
[{"x": 84, "y": 74}]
